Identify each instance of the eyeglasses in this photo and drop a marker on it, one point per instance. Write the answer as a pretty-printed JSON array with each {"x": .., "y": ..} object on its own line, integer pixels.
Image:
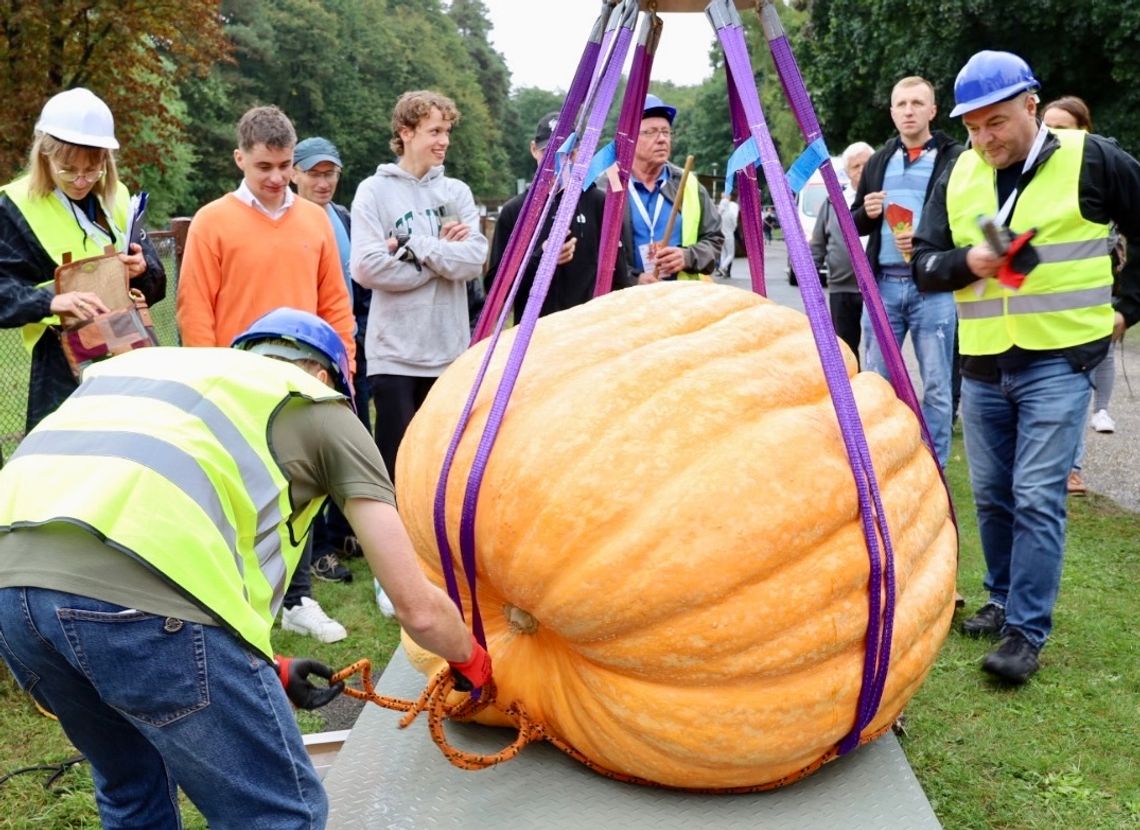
[
  {"x": 71, "y": 176},
  {"x": 653, "y": 133},
  {"x": 327, "y": 175}
]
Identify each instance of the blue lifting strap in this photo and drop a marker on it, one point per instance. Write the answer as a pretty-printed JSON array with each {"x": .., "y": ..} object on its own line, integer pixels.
[
  {"x": 602, "y": 160},
  {"x": 747, "y": 153},
  {"x": 808, "y": 162}
]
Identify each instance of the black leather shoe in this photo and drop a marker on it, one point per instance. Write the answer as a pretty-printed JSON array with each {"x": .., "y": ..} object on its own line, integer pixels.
[
  {"x": 1015, "y": 660},
  {"x": 986, "y": 622}
]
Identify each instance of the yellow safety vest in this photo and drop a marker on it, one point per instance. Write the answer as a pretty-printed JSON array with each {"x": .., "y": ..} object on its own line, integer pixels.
[
  {"x": 58, "y": 232},
  {"x": 1067, "y": 299},
  {"x": 690, "y": 222},
  {"x": 164, "y": 453}
]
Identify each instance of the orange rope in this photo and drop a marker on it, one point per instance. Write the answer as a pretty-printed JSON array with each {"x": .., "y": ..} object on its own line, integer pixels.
[{"x": 433, "y": 700}]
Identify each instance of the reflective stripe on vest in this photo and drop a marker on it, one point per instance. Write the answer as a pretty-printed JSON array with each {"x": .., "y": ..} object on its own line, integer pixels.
[
  {"x": 1066, "y": 300},
  {"x": 167, "y": 458},
  {"x": 690, "y": 221},
  {"x": 258, "y": 482},
  {"x": 58, "y": 232},
  {"x": 1036, "y": 303}
]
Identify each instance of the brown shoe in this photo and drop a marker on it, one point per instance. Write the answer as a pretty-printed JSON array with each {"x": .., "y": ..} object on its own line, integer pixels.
[{"x": 1077, "y": 485}]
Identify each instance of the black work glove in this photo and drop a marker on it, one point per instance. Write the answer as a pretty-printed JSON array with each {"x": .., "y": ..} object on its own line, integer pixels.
[{"x": 293, "y": 672}]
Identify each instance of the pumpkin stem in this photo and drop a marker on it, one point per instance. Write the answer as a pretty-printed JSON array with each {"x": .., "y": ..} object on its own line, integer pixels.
[{"x": 520, "y": 621}]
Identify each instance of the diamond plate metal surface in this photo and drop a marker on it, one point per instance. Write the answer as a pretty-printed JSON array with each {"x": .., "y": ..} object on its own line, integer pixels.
[{"x": 386, "y": 777}]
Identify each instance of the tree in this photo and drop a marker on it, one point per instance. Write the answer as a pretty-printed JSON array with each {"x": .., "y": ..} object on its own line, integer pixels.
[
  {"x": 529, "y": 104},
  {"x": 336, "y": 67},
  {"x": 473, "y": 26},
  {"x": 131, "y": 54}
]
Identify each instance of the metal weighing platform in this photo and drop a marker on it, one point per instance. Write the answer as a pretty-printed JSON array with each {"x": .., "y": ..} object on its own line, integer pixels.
[{"x": 386, "y": 777}]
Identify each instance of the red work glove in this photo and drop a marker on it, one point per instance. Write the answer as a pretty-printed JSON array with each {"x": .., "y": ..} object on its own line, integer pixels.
[
  {"x": 1020, "y": 259},
  {"x": 474, "y": 674},
  {"x": 293, "y": 672}
]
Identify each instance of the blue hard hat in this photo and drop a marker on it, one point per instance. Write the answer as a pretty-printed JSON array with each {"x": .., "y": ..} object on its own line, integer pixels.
[
  {"x": 990, "y": 77},
  {"x": 654, "y": 106},
  {"x": 315, "y": 339}
]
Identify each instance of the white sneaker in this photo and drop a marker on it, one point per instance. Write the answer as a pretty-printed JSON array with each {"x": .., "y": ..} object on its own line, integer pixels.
[
  {"x": 1101, "y": 421},
  {"x": 310, "y": 619},
  {"x": 382, "y": 601}
]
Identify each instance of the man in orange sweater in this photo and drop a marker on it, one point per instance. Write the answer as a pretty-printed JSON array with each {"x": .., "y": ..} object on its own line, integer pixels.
[
  {"x": 260, "y": 248},
  {"x": 254, "y": 250}
]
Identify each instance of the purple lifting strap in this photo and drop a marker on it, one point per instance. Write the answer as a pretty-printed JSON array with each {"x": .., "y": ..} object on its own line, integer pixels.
[
  {"x": 797, "y": 96},
  {"x": 625, "y": 141},
  {"x": 519, "y": 246},
  {"x": 879, "y": 624},
  {"x": 589, "y": 141},
  {"x": 748, "y": 188},
  {"x": 529, "y": 218}
]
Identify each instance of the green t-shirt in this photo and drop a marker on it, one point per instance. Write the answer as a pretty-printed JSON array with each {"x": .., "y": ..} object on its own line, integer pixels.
[{"x": 323, "y": 449}]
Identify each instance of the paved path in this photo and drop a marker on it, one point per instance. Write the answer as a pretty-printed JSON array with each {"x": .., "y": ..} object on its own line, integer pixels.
[{"x": 1112, "y": 461}]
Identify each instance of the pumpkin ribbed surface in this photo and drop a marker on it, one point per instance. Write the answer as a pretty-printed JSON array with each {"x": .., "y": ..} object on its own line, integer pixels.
[{"x": 671, "y": 566}]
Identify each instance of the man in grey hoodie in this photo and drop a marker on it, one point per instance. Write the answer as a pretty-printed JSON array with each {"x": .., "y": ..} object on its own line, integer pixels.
[{"x": 415, "y": 243}]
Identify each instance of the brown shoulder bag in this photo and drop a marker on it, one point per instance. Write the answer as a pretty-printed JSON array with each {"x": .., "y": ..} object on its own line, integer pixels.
[{"x": 125, "y": 327}]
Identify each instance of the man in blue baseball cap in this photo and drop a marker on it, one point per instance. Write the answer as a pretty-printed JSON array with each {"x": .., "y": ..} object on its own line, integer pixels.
[
  {"x": 316, "y": 173},
  {"x": 692, "y": 250},
  {"x": 1033, "y": 285},
  {"x": 148, "y": 529}
]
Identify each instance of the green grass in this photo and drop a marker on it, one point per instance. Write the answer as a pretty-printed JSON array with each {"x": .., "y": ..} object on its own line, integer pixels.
[
  {"x": 1061, "y": 751},
  {"x": 1058, "y": 753}
]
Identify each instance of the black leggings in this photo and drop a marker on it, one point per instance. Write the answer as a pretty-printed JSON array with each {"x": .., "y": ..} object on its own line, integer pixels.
[
  {"x": 846, "y": 314},
  {"x": 396, "y": 397}
]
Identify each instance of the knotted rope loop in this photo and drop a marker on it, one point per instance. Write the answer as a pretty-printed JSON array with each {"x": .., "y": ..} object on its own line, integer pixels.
[
  {"x": 438, "y": 712},
  {"x": 434, "y": 700}
]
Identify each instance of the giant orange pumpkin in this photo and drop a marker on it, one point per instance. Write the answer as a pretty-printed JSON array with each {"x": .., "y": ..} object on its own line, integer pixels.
[{"x": 671, "y": 567}]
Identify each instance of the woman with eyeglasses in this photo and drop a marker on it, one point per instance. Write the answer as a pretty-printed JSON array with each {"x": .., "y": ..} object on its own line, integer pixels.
[{"x": 69, "y": 201}]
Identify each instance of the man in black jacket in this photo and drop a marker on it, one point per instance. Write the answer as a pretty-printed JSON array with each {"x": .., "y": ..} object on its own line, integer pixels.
[
  {"x": 896, "y": 184},
  {"x": 576, "y": 274},
  {"x": 1035, "y": 321}
]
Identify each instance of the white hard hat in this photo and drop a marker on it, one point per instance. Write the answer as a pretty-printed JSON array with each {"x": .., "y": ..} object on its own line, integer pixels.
[{"x": 79, "y": 116}]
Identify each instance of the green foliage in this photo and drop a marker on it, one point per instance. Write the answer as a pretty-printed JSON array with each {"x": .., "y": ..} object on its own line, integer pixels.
[
  {"x": 528, "y": 105},
  {"x": 1060, "y": 751},
  {"x": 169, "y": 183},
  {"x": 336, "y": 68},
  {"x": 130, "y": 54},
  {"x": 854, "y": 50}
]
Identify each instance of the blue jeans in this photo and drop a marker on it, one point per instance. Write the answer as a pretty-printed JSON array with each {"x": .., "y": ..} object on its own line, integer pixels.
[
  {"x": 1021, "y": 437},
  {"x": 156, "y": 703},
  {"x": 931, "y": 320}
]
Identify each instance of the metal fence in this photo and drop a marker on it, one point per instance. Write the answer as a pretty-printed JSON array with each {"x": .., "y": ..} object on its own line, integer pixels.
[{"x": 15, "y": 360}]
